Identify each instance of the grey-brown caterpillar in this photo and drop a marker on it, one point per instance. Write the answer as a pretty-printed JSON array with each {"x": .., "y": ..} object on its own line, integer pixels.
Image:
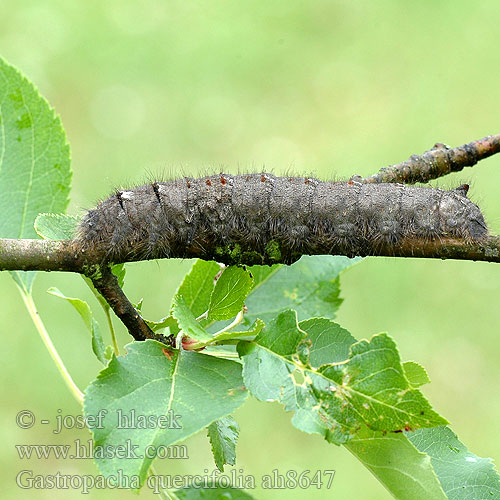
[{"x": 262, "y": 219}]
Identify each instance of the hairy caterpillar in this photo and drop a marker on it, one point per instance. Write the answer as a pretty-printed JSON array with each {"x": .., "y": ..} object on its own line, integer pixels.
[{"x": 261, "y": 218}]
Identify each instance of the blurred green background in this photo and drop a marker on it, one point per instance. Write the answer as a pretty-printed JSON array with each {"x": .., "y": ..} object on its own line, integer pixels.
[{"x": 156, "y": 88}]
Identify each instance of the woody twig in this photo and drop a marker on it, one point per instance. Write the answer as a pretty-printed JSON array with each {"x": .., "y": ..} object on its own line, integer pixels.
[{"x": 437, "y": 162}]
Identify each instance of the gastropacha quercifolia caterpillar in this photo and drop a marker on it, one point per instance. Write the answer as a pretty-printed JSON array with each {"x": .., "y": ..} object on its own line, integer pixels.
[{"x": 261, "y": 218}]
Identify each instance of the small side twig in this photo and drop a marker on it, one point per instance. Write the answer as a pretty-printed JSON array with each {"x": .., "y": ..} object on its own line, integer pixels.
[
  {"x": 439, "y": 161},
  {"x": 107, "y": 285}
]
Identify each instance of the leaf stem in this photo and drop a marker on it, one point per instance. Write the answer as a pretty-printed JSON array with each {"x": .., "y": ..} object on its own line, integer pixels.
[
  {"x": 163, "y": 493},
  {"x": 30, "y": 305},
  {"x": 112, "y": 331},
  {"x": 237, "y": 320},
  {"x": 105, "y": 307},
  {"x": 224, "y": 355},
  {"x": 202, "y": 316}
]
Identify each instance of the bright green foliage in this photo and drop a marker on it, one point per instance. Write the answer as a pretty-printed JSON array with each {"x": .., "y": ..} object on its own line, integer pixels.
[
  {"x": 56, "y": 226},
  {"x": 374, "y": 385},
  {"x": 197, "y": 286},
  {"x": 186, "y": 320},
  {"x": 310, "y": 286},
  {"x": 227, "y": 335},
  {"x": 330, "y": 342},
  {"x": 415, "y": 373},
  {"x": 35, "y": 170},
  {"x": 192, "y": 390},
  {"x": 167, "y": 322},
  {"x": 35, "y": 174},
  {"x": 119, "y": 271},
  {"x": 463, "y": 475},
  {"x": 229, "y": 294},
  {"x": 338, "y": 399},
  {"x": 84, "y": 311},
  {"x": 223, "y": 434},
  {"x": 404, "y": 470}
]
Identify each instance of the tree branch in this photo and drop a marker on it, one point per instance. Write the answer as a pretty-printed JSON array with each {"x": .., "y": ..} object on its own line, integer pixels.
[
  {"x": 50, "y": 255},
  {"x": 439, "y": 161},
  {"x": 68, "y": 255}
]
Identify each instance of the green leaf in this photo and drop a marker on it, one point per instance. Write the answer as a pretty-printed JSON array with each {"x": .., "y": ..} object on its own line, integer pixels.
[
  {"x": 223, "y": 336},
  {"x": 267, "y": 364},
  {"x": 108, "y": 353},
  {"x": 119, "y": 271},
  {"x": 310, "y": 286},
  {"x": 56, "y": 226},
  {"x": 282, "y": 335},
  {"x": 167, "y": 322},
  {"x": 463, "y": 475},
  {"x": 212, "y": 492},
  {"x": 416, "y": 374},
  {"x": 138, "y": 306},
  {"x": 330, "y": 342},
  {"x": 84, "y": 311},
  {"x": 196, "y": 287},
  {"x": 190, "y": 390},
  {"x": 338, "y": 399},
  {"x": 223, "y": 434},
  {"x": 229, "y": 294},
  {"x": 24, "y": 280},
  {"x": 35, "y": 173},
  {"x": 373, "y": 385},
  {"x": 186, "y": 321},
  {"x": 262, "y": 273},
  {"x": 255, "y": 329},
  {"x": 406, "y": 472}
]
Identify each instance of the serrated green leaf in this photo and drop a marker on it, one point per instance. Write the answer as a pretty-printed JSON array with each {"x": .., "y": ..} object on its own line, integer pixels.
[
  {"x": 338, "y": 399},
  {"x": 463, "y": 475},
  {"x": 190, "y": 390},
  {"x": 186, "y": 321},
  {"x": 34, "y": 156},
  {"x": 35, "y": 173},
  {"x": 197, "y": 286},
  {"x": 330, "y": 342},
  {"x": 229, "y": 293},
  {"x": 405, "y": 471},
  {"x": 416, "y": 374},
  {"x": 223, "y": 434},
  {"x": 267, "y": 373},
  {"x": 84, "y": 311},
  {"x": 56, "y": 226},
  {"x": 212, "y": 492},
  {"x": 310, "y": 286},
  {"x": 282, "y": 335},
  {"x": 373, "y": 384}
]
